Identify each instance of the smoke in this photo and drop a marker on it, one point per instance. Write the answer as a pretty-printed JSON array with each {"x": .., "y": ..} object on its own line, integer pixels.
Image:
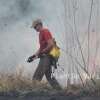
[
  {"x": 24, "y": 7},
  {"x": 18, "y": 40},
  {"x": 14, "y": 11}
]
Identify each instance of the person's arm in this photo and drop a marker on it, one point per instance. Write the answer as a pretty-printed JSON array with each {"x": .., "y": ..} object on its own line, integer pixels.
[
  {"x": 50, "y": 44},
  {"x": 34, "y": 56},
  {"x": 37, "y": 53},
  {"x": 49, "y": 40}
]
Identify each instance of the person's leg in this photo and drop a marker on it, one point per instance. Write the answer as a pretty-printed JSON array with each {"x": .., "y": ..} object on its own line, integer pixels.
[
  {"x": 42, "y": 67},
  {"x": 40, "y": 71},
  {"x": 52, "y": 81}
]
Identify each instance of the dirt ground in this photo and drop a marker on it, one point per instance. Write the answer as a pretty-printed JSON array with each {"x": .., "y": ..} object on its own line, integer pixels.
[
  {"x": 43, "y": 95},
  {"x": 51, "y": 98}
]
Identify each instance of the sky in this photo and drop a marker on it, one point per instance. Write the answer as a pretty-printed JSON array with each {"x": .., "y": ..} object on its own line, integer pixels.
[{"x": 18, "y": 41}]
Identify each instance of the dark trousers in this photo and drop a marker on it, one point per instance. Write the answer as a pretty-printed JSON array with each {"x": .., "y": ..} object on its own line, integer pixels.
[{"x": 44, "y": 68}]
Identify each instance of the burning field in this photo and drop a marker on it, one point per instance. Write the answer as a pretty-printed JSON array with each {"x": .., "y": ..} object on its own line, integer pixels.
[
  {"x": 75, "y": 25},
  {"x": 17, "y": 87}
]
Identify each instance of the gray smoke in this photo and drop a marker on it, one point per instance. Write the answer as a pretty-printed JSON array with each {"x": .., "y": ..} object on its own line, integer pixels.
[{"x": 18, "y": 40}]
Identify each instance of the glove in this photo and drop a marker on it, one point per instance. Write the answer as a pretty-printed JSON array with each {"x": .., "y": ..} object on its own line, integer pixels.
[{"x": 31, "y": 58}]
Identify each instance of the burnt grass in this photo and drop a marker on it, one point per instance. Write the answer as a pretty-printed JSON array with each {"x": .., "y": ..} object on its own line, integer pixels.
[
  {"x": 20, "y": 88},
  {"x": 49, "y": 95}
]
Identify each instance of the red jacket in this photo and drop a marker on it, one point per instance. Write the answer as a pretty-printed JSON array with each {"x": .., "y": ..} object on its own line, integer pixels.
[{"x": 44, "y": 36}]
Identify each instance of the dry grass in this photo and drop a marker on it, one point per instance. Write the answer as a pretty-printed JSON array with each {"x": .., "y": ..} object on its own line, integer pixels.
[
  {"x": 13, "y": 82},
  {"x": 17, "y": 82}
]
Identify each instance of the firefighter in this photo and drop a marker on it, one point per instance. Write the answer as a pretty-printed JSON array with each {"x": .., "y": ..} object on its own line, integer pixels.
[{"x": 46, "y": 42}]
